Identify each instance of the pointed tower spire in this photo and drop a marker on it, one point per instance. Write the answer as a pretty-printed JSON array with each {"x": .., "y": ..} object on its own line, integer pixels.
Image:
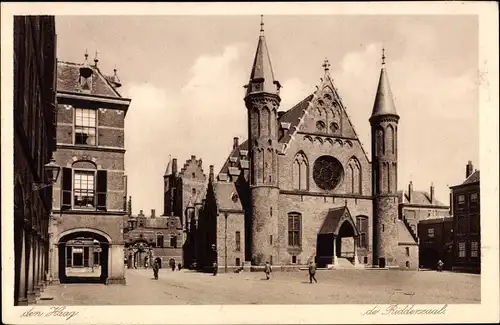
[
  {"x": 168, "y": 171},
  {"x": 262, "y": 76},
  {"x": 384, "y": 103}
]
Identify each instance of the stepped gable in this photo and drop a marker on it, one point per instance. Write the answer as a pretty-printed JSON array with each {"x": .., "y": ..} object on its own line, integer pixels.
[
  {"x": 195, "y": 166},
  {"x": 404, "y": 235},
  {"x": 68, "y": 80}
]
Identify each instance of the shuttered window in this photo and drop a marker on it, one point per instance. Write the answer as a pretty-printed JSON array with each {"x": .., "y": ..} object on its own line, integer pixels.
[
  {"x": 67, "y": 184},
  {"x": 101, "y": 189}
]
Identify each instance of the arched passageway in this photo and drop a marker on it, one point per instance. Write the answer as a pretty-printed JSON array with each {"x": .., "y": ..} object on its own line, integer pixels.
[{"x": 83, "y": 257}]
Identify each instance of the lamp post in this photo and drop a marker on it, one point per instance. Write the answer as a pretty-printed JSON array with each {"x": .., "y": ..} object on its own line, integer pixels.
[
  {"x": 51, "y": 171},
  {"x": 225, "y": 242}
]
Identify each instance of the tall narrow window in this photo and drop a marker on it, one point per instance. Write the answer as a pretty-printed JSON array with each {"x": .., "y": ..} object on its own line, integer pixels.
[
  {"x": 238, "y": 241},
  {"x": 407, "y": 249},
  {"x": 461, "y": 249},
  {"x": 294, "y": 228},
  {"x": 67, "y": 187},
  {"x": 83, "y": 192},
  {"x": 85, "y": 126},
  {"x": 474, "y": 249},
  {"x": 390, "y": 139},
  {"x": 173, "y": 241},
  {"x": 159, "y": 239},
  {"x": 362, "y": 225}
]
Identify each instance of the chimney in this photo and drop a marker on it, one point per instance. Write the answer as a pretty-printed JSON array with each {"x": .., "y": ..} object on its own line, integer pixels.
[
  {"x": 432, "y": 193},
  {"x": 235, "y": 142},
  {"x": 153, "y": 213},
  {"x": 174, "y": 166},
  {"x": 280, "y": 114},
  {"x": 469, "y": 169},
  {"x": 211, "y": 174},
  {"x": 410, "y": 191},
  {"x": 140, "y": 213}
]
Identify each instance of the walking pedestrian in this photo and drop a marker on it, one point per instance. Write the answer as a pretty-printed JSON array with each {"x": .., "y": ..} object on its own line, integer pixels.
[
  {"x": 155, "y": 269},
  {"x": 267, "y": 270},
  {"x": 172, "y": 264},
  {"x": 179, "y": 266},
  {"x": 215, "y": 266},
  {"x": 440, "y": 266},
  {"x": 312, "y": 273}
]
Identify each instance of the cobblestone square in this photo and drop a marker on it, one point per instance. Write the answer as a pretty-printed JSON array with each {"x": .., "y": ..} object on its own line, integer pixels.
[{"x": 333, "y": 287}]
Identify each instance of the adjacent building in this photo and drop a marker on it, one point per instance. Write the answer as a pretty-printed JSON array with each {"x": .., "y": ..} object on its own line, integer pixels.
[
  {"x": 467, "y": 222},
  {"x": 302, "y": 188},
  {"x": 34, "y": 142},
  {"x": 90, "y": 196},
  {"x": 152, "y": 238},
  {"x": 436, "y": 242}
]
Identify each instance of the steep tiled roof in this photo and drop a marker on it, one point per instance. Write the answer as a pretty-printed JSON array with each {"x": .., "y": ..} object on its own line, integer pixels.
[
  {"x": 68, "y": 80},
  {"x": 333, "y": 219},
  {"x": 224, "y": 192},
  {"x": 419, "y": 198},
  {"x": 404, "y": 235},
  {"x": 235, "y": 154},
  {"x": 292, "y": 116},
  {"x": 473, "y": 178}
]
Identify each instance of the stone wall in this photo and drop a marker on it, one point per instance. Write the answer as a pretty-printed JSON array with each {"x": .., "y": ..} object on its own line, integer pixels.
[{"x": 235, "y": 222}]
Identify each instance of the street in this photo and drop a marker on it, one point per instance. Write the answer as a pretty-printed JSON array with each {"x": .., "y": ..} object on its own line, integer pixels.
[{"x": 333, "y": 287}]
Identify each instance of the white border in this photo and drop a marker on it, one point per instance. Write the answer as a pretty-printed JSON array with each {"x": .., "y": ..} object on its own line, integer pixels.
[{"x": 487, "y": 311}]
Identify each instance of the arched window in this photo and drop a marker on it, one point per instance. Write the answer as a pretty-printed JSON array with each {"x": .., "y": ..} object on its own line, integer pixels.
[
  {"x": 380, "y": 146},
  {"x": 390, "y": 139},
  {"x": 300, "y": 172},
  {"x": 294, "y": 229},
  {"x": 362, "y": 225},
  {"x": 354, "y": 180},
  {"x": 256, "y": 118},
  {"x": 265, "y": 121},
  {"x": 159, "y": 239}
]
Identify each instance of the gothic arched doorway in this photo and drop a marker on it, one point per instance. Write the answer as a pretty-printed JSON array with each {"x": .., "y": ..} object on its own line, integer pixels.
[
  {"x": 83, "y": 257},
  {"x": 336, "y": 238}
]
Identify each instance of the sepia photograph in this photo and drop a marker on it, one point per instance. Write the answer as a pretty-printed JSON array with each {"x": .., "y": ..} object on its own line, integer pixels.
[{"x": 262, "y": 157}]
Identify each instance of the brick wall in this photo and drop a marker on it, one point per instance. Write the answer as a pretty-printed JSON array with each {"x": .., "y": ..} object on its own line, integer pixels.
[
  {"x": 386, "y": 227},
  {"x": 403, "y": 260},
  {"x": 314, "y": 210},
  {"x": 235, "y": 222},
  {"x": 314, "y": 150},
  {"x": 110, "y": 224}
]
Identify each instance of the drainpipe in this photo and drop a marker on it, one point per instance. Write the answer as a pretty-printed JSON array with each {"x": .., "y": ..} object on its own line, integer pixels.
[{"x": 225, "y": 242}]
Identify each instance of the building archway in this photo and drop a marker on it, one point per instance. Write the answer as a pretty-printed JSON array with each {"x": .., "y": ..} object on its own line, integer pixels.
[
  {"x": 83, "y": 257},
  {"x": 336, "y": 238}
]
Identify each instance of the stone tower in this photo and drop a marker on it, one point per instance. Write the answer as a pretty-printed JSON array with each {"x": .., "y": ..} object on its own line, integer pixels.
[
  {"x": 169, "y": 188},
  {"x": 384, "y": 130},
  {"x": 262, "y": 101}
]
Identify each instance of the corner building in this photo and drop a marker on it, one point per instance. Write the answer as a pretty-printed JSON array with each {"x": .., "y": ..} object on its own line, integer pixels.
[
  {"x": 90, "y": 195},
  {"x": 302, "y": 188}
]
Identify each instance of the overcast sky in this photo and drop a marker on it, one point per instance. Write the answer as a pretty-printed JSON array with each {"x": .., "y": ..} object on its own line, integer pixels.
[{"x": 185, "y": 74}]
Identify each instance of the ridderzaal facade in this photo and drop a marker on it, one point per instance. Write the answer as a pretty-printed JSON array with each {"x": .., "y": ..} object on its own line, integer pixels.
[{"x": 301, "y": 188}]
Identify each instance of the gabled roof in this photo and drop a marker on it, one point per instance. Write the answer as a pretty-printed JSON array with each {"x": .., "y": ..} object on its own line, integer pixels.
[
  {"x": 473, "y": 178},
  {"x": 334, "y": 220},
  {"x": 419, "y": 198},
  {"x": 293, "y": 116},
  {"x": 404, "y": 235},
  {"x": 226, "y": 196},
  {"x": 68, "y": 80}
]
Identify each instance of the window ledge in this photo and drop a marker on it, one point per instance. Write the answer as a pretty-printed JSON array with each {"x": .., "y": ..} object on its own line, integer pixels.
[{"x": 294, "y": 250}]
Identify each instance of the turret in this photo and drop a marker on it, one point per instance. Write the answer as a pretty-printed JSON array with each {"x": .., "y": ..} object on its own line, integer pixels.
[
  {"x": 384, "y": 126},
  {"x": 262, "y": 101}
]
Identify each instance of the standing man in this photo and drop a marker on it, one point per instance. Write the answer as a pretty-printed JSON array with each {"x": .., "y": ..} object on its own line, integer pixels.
[
  {"x": 214, "y": 264},
  {"x": 312, "y": 272},
  {"x": 267, "y": 270},
  {"x": 155, "y": 269}
]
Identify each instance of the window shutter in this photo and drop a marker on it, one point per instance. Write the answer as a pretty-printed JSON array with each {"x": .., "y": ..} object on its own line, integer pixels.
[
  {"x": 67, "y": 183},
  {"x": 101, "y": 189}
]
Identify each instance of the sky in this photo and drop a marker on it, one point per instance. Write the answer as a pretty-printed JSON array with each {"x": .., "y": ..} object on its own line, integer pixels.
[{"x": 185, "y": 76}]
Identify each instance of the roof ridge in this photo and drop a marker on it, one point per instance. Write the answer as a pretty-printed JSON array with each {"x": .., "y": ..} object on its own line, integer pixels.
[
  {"x": 305, "y": 111},
  {"x": 472, "y": 174}
]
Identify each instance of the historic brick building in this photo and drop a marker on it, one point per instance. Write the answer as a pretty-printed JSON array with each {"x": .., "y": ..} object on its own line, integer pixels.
[
  {"x": 435, "y": 242},
  {"x": 302, "y": 188},
  {"x": 415, "y": 206},
  {"x": 467, "y": 222},
  {"x": 34, "y": 142},
  {"x": 90, "y": 196},
  {"x": 152, "y": 238}
]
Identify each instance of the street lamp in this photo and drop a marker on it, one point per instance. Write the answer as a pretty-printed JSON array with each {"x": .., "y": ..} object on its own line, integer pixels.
[{"x": 51, "y": 170}]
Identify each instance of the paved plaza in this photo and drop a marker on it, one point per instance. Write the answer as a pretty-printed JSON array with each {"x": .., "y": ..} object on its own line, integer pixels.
[{"x": 333, "y": 287}]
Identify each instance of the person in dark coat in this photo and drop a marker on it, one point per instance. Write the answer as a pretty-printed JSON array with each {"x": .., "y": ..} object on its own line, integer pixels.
[
  {"x": 172, "y": 265},
  {"x": 267, "y": 270},
  {"x": 179, "y": 266},
  {"x": 312, "y": 273},
  {"x": 156, "y": 267},
  {"x": 440, "y": 266},
  {"x": 215, "y": 268}
]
